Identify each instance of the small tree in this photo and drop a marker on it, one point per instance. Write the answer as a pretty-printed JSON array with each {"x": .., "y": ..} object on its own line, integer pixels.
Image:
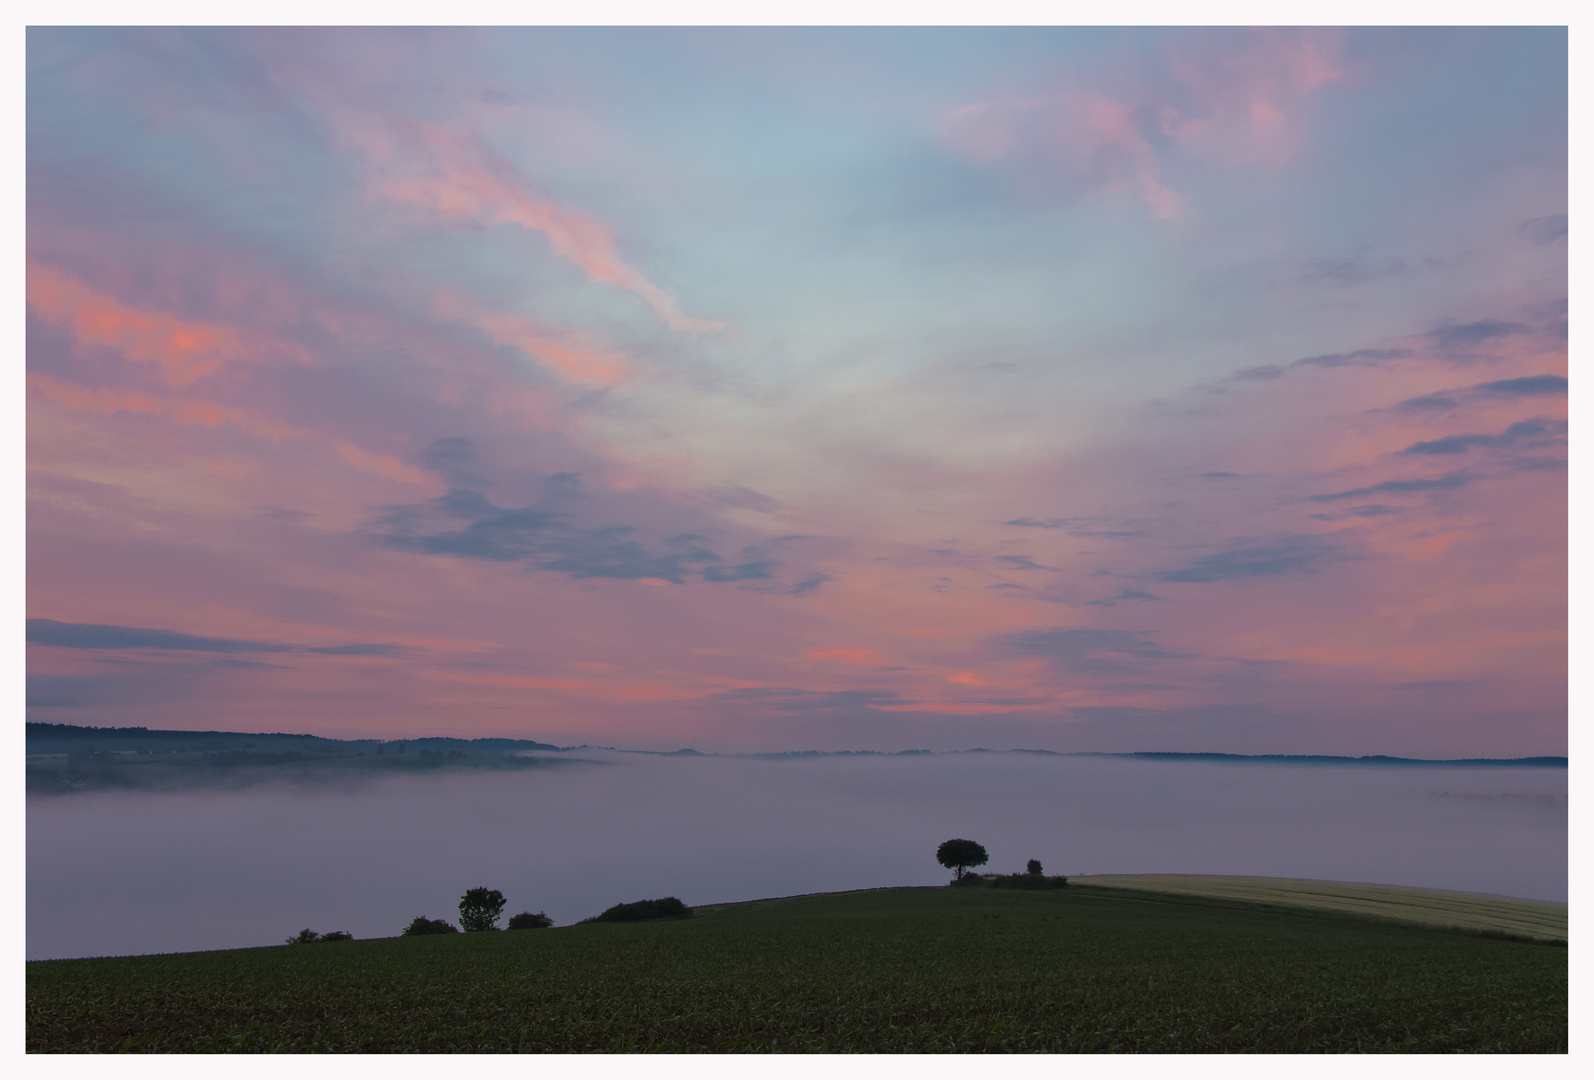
[
  {"x": 527, "y": 921},
  {"x": 479, "y": 909},
  {"x": 959, "y": 855},
  {"x": 1034, "y": 866},
  {"x": 304, "y": 937}
]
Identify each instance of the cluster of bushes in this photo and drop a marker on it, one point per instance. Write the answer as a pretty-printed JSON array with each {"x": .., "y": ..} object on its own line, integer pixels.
[
  {"x": 308, "y": 936},
  {"x": 1026, "y": 881},
  {"x": 642, "y": 910},
  {"x": 479, "y": 909}
]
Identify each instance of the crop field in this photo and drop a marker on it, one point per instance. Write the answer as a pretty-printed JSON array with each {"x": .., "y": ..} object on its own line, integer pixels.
[
  {"x": 1424, "y": 907},
  {"x": 922, "y": 970}
]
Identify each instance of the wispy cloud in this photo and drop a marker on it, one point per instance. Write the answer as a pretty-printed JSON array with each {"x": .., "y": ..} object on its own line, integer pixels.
[
  {"x": 542, "y": 538},
  {"x": 1247, "y": 559},
  {"x": 1538, "y": 432},
  {"x": 1447, "y": 482},
  {"x": 100, "y": 636},
  {"x": 1522, "y": 387},
  {"x": 1359, "y": 358},
  {"x": 1462, "y": 334},
  {"x": 66, "y": 635},
  {"x": 1545, "y": 230},
  {"x": 455, "y": 174},
  {"x": 1235, "y": 97}
]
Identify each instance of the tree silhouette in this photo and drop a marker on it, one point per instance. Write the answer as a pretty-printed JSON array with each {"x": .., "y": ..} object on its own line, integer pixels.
[
  {"x": 479, "y": 909},
  {"x": 1034, "y": 866},
  {"x": 959, "y": 855}
]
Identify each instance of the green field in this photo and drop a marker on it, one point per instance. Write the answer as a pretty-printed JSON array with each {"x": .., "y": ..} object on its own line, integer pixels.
[{"x": 922, "y": 970}]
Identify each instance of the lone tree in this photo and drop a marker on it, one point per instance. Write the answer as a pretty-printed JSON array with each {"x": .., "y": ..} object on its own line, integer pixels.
[
  {"x": 479, "y": 909},
  {"x": 1034, "y": 866},
  {"x": 959, "y": 855}
]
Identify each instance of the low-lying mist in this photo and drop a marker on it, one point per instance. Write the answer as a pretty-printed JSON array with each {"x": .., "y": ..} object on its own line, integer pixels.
[{"x": 122, "y": 873}]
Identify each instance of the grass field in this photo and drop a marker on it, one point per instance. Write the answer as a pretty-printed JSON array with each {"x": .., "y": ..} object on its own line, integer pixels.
[{"x": 925, "y": 970}]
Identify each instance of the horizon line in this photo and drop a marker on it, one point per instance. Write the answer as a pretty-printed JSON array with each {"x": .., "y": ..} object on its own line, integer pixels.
[{"x": 1535, "y": 760}]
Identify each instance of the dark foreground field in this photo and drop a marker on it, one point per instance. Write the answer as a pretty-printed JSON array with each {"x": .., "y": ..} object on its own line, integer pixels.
[{"x": 929, "y": 970}]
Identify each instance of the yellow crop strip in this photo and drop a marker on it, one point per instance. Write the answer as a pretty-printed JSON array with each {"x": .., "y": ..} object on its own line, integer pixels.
[{"x": 1540, "y": 919}]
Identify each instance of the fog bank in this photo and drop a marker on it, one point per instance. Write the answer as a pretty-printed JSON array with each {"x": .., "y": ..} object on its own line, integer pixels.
[{"x": 120, "y": 873}]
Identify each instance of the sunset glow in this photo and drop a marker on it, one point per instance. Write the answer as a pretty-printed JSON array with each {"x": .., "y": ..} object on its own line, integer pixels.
[{"x": 1097, "y": 389}]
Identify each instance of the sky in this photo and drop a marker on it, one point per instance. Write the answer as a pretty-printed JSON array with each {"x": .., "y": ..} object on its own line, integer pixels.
[{"x": 1074, "y": 389}]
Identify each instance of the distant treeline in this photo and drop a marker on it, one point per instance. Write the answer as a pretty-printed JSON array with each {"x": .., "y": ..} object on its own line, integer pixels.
[
  {"x": 1365, "y": 759},
  {"x": 59, "y": 738}
]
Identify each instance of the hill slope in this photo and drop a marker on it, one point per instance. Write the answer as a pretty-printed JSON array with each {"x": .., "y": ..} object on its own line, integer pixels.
[{"x": 924, "y": 970}]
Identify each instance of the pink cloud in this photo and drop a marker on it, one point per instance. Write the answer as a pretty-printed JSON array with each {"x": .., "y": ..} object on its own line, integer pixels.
[
  {"x": 1087, "y": 140},
  {"x": 1245, "y": 104},
  {"x": 105, "y": 401},
  {"x": 1235, "y": 103},
  {"x": 458, "y": 176}
]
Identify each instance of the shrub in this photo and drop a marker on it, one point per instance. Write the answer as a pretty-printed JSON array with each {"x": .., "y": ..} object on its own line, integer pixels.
[
  {"x": 423, "y": 925},
  {"x": 479, "y": 909},
  {"x": 968, "y": 881},
  {"x": 308, "y": 936},
  {"x": 666, "y": 908},
  {"x": 527, "y": 921},
  {"x": 1033, "y": 867},
  {"x": 1028, "y": 881}
]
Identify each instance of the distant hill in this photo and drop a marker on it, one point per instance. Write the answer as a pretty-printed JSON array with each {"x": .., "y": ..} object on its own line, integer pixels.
[
  {"x": 64, "y": 758},
  {"x": 69, "y": 738}
]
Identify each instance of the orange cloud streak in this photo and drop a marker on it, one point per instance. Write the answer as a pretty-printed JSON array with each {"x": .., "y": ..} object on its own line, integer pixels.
[
  {"x": 571, "y": 363},
  {"x": 186, "y": 351}
]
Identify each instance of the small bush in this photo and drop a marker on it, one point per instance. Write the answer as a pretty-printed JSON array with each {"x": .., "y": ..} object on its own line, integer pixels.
[
  {"x": 527, "y": 921},
  {"x": 308, "y": 936},
  {"x": 423, "y": 925},
  {"x": 642, "y": 910},
  {"x": 1028, "y": 881},
  {"x": 968, "y": 881}
]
